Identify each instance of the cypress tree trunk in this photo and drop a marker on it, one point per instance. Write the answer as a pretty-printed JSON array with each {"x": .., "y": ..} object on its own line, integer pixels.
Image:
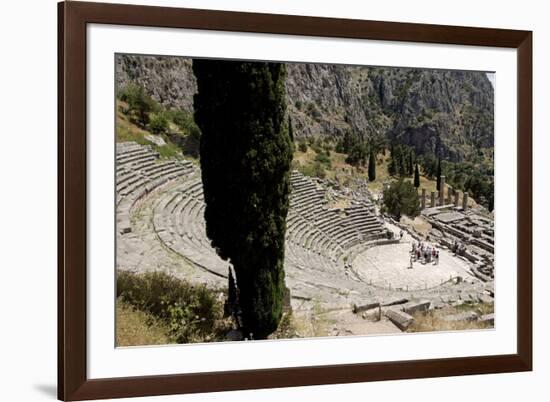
[
  {"x": 416, "y": 176},
  {"x": 245, "y": 155}
]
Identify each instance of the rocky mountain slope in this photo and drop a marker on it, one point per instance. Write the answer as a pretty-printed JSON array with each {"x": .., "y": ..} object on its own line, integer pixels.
[{"x": 445, "y": 112}]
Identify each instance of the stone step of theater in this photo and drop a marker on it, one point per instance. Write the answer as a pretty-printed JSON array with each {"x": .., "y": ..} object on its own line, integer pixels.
[
  {"x": 318, "y": 237},
  {"x": 139, "y": 171},
  {"x": 321, "y": 241}
]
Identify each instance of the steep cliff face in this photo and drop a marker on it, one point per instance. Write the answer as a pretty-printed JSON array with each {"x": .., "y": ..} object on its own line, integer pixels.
[
  {"x": 445, "y": 112},
  {"x": 169, "y": 80}
]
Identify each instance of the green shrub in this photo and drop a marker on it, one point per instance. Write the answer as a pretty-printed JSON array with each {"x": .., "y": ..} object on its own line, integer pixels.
[
  {"x": 302, "y": 146},
  {"x": 323, "y": 159},
  {"x": 186, "y": 123},
  {"x": 315, "y": 170},
  {"x": 401, "y": 198},
  {"x": 313, "y": 111},
  {"x": 191, "y": 312},
  {"x": 158, "y": 124},
  {"x": 140, "y": 104}
]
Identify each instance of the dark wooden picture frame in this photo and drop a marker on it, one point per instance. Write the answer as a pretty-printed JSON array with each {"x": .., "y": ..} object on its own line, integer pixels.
[{"x": 73, "y": 383}]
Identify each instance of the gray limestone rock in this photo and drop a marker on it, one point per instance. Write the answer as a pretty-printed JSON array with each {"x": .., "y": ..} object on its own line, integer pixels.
[
  {"x": 415, "y": 307},
  {"x": 365, "y": 307},
  {"x": 401, "y": 319}
]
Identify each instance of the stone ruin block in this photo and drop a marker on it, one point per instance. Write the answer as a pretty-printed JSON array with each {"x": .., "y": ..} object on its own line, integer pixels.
[
  {"x": 468, "y": 316},
  {"x": 394, "y": 301},
  {"x": 415, "y": 307},
  {"x": 125, "y": 229},
  {"x": 401, "y": 319},
  {"x": 364, "y": 307}
]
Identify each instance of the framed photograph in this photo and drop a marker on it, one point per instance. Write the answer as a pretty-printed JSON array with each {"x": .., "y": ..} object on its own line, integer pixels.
[{"x": 253, "y": 200}]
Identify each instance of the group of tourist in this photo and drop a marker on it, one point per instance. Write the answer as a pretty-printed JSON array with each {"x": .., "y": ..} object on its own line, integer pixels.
[{"x": 425, "y": 253}]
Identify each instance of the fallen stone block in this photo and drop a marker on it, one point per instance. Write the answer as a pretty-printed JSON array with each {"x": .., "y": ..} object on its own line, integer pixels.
[
  {"x": 358, "y": 308},
  {"x": 372, "y": 315},
  {"x": 488, "y": 319},
  {"x": 401, "y": 319},
  {"x": 125, "y": 229},
  {"x": 415, "y": 307},
  {"x": 394, "y": 302},
  {"x": 469, "y": 316}
]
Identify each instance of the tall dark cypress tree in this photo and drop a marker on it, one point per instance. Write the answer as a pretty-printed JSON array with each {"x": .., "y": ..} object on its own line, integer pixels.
[
  {"x": 402, "y": 165},
  {"x": 392, "y": 168},
  {"x": 411, "y": 163},
  {"x": 245, "y": 155},
  {"x": 438, "y": 173},
  {"x": 416, "y": 176},
  {"x": 372, "y": 166}
]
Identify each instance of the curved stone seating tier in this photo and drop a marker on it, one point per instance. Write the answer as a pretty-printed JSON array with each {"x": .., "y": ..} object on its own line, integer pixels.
[
  {"x": 323, "y": 246},
  {"x": 179, "y": 223},
  {"x": 139, "y": 172},
  {"x": 317, "y": 237},
  {"x": 328, "y": 231}
]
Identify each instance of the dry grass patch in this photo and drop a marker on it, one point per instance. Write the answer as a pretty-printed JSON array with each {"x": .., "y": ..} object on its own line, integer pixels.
[
  {"x": 311, "y": 323},
  {"x": 435, "y": 320},
  {"x": 137, "y": 328},
  {"x": 419, "y": 224},
  {"x": 190, "y": 312}
]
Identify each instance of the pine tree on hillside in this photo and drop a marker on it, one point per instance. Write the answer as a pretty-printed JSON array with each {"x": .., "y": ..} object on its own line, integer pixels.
[
  {"x": 416, "y": 176},
  {"x": 411, "y": 163},
  {"x": 245, "y": 156},
  {"x": 392, "y": 168},
  {"x": 401, "y": 198},
  {"x": 372, "y": 166},
  {"x": 402, "y": 164},
  {"x": 438, "y": 173}
]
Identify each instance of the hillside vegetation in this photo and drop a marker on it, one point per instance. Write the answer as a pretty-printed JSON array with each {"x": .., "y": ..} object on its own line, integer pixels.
[
  {"x": 447, "y": 113},
  {"x": 160, "y": 307}
]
